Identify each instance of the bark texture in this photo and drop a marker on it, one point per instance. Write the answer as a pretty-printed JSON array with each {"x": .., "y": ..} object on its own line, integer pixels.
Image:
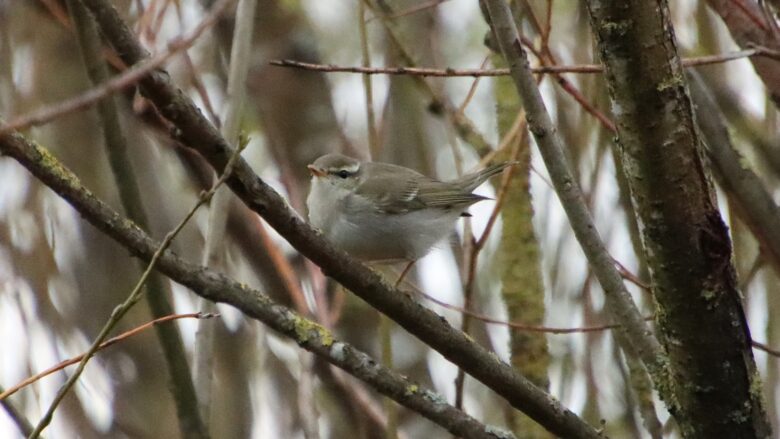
[{"x": 699, "y": 313}]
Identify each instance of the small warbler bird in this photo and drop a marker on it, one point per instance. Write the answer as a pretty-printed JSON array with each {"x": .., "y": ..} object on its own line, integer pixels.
[{"x": 382, "y": 212}]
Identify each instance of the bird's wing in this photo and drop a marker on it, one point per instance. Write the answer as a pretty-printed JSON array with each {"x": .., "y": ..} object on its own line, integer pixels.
[
  {"x": 415, "y": 191},
  {"x": 390, "y": 196}
]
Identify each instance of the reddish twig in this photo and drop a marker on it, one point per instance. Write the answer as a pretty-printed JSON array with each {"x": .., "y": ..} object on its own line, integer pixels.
[
  {"x": 107, "y": 343},
  {"x": 506, "y": 142},
  {"x": 197, "y": 83},
  {"x": 472, "y": 90},
  {"x": 283, "y": 267},
  {"x": 503, "y": 189},
  {"x": 745, "y": 10},
  {"x": 629, "y": 276},
  {"x": 765, "y": 348},
  {"x": 476, "y": 247},
  {"x": 57, "y": 10},
  {"x": 513, "y": 325},
  {"x": 547, "y": 58}
]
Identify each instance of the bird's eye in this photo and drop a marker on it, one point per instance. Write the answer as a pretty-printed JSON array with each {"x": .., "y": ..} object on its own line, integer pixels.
[{"x": 343, "y": 173}]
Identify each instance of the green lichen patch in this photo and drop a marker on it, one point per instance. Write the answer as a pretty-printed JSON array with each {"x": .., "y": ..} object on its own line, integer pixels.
[
  {"x": 672, "y": 82},
  {"x": 48, "y": 161},
  {"x": 307, "y": 330},
  {"x": 499, "y": 433}
]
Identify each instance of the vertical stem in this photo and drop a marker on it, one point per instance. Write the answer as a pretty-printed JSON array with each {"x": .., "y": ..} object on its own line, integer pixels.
[
  {"x": 219, "y": 207},
  {"x": 373, "y": 136},
  {"x": 182, "y": 387}
]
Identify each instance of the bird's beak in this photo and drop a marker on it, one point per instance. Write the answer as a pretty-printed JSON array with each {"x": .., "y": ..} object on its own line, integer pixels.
[{"x": 315, "y": 171}]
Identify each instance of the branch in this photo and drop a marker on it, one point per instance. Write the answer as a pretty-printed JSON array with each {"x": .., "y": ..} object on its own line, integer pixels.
[
  {"x": 194, "y": 131},
  {"x": 217, "y": 287},
  {"x": 451, "y": 72},
  {"x": 619, "y": 301}
]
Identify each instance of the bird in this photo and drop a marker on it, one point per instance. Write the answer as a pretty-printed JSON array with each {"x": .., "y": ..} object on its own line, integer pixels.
[{"x": 380, "y": 212}]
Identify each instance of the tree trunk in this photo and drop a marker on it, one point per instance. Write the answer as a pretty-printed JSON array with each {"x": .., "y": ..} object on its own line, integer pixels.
[{"x": 699, "y": 312}]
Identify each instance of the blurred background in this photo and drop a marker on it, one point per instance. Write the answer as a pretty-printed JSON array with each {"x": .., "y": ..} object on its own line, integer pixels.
[{"x": 60, "y": 278}]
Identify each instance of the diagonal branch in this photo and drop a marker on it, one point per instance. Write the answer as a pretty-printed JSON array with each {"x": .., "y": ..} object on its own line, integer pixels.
[
  {"x": 195, "y": 131},
  {"x": 622, "y": 307},
  {"x": 220, "y": 288}
]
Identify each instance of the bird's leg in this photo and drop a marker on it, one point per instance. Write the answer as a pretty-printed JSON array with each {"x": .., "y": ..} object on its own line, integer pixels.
[{"x": 404, "y": 272}]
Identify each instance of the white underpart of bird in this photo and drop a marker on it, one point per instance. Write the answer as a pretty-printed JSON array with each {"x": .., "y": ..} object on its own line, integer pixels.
[{"x": 383, "y": 212}]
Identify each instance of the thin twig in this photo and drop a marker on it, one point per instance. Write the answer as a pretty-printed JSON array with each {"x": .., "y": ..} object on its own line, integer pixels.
[
  {"x": 503, "y": 189},
  {"x": 111, "y": 341},
  {"x": 452, "y": 72},
  {"x": 749, "y": 13},
  {"x": 765, "y": 348},
  {"x": 513, "y": 325},
  {"x": 200, "y": 87},
  {"x": 473, "y": 89},
  {"x": 547, "y": 58}
]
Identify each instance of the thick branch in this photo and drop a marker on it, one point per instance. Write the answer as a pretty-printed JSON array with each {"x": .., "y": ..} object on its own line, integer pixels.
[
  {"x": 700, "y": 317},
  {"x": 219, "y": 288},
  {"x": 195, "y": 131}
]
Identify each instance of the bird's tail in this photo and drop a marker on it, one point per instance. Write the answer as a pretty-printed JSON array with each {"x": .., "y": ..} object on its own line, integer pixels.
[{"x": 469, "y": 182}]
